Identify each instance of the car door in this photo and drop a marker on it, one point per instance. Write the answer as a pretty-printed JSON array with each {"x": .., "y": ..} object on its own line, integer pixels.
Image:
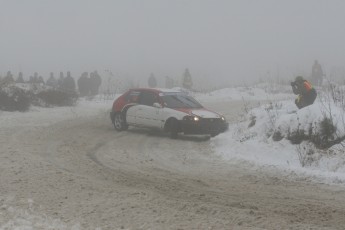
[
  {"x": 132, "y": 102},
  {"x": 146, "y": 114}
]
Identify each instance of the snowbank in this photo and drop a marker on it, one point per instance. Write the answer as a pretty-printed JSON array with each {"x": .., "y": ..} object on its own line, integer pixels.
[{"x": 264, "y": 138}]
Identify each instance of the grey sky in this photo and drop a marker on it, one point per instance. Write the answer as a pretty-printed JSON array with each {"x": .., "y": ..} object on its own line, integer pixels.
[{"x": 218, "y": 39}]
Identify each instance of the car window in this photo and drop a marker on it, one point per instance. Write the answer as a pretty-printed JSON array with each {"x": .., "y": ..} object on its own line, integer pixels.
[
  {"x": 180, "y": 101},
  {"x": 133, "y": 97},
  {"x": 147, "y": 98}
]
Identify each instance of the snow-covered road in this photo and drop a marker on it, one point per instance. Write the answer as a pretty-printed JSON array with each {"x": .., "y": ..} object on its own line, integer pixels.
[{"x": 78, "y": 173}]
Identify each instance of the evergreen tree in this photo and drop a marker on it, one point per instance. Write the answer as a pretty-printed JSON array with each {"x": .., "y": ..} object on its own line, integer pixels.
[
  {"x": 35, "y": 79},
  {"x": 20, "y": 78},
  {"x": 187, "y": 82},
  {"x": 152, "y": 82},
  {"x": 41, "y": 80},
  {"x": 9, "y": 77},
  {"x": 169, "y": 82},
  {"x": 31, "y": 79}
]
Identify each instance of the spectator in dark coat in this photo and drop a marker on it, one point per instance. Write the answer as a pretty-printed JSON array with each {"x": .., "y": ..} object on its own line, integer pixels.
[
  {"x": 52, "y": 82},
  {"x": 68, "y": 84},
  {"x": 305, "y": 91},
  {"x": 95, "y": 81},
  {"x": 316, "y": 73},
  {"x": 84, "y": 84}
]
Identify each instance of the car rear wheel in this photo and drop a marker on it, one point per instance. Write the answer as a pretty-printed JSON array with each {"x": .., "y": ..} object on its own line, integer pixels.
[{"x": 119, "y": 122}]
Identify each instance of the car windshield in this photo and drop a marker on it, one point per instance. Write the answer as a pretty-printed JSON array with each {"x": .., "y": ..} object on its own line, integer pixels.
[{"x": 180, "y": 101}]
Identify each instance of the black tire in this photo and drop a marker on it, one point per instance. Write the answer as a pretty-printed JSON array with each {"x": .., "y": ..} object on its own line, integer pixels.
[
  {"x": 174, "y": 128},
  {"x": 119, "y": 122}
]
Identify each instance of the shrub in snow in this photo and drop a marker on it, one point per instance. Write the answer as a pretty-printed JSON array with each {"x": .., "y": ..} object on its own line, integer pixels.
[
  {"x": 53, "y": 97},
  {"x": 19, "y": 97},
  {"x": 252, "y": 121},
  {"x": 307, "y": 154},
  {"x": 334, "y": 93},
  {"x": 277, "y": 136},
  {"x": 313, "y": 123},
  {"x": 13, "y": 98}
]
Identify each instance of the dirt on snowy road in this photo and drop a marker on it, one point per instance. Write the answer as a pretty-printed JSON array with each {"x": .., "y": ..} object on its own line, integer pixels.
[{"x": 81, "y": 173}]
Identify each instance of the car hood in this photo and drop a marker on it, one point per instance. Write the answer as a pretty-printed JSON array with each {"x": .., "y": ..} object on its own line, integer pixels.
[{"x": 203, "y": 113}]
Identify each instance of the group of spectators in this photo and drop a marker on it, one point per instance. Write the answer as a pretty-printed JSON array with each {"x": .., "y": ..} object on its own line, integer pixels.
[
  {"x": 33, "y": 79},
  {"x": 88, "y": 84}
]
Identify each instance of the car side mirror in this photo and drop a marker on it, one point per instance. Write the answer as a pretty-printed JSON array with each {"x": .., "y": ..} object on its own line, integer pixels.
[{"x": 157, "y": 105}]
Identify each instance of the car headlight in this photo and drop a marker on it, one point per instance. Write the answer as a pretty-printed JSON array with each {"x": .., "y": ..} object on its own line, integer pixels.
[
  {"x": 223, "y": 118},
  {"x": 191, "y": 118}
]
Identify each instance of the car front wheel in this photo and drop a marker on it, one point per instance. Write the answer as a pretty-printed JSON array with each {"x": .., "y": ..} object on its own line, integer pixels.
[
  {"x": 119, "y": 122},
  {"x": 174, "y": 127}
]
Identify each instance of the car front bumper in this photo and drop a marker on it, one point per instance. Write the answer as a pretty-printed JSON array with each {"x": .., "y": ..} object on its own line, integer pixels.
[{"x": 211, "y": 126}]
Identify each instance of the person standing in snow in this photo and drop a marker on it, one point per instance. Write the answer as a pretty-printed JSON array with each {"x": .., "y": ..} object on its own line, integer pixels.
[
  {"x": 84, "y": 84},
  {"x": 52, "y": 82},
  {"x": 305, "y": 91},
  {"x": 95, "y": 81},
  {"x": 316, "y": 73},
  {"x": 68, "y": 84}
]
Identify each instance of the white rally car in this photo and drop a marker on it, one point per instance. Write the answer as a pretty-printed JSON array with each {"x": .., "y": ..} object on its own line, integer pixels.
[{"x": 169, "y": 110}]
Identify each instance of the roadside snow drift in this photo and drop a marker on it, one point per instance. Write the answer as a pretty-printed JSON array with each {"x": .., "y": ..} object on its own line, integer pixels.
[{"x": 309, "y": 140}]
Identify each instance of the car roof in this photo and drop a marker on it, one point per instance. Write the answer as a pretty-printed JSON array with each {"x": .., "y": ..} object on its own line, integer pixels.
[{"x": 158, "y": 90}]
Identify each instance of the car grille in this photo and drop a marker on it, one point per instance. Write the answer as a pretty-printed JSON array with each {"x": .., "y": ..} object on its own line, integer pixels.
[{"x": 210, "y": 121}]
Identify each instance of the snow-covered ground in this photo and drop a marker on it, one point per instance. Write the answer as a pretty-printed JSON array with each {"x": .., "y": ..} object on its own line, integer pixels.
[
  {"x": 29, "y": 216},
  {"x": 240, "y": 142},
  {"x": 40, "y": 116},
  {"x": 253, "y": 145}
]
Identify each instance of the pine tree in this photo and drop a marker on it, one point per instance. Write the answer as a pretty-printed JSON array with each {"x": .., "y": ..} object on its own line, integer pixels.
[
  {"x": 20, "y": 78},
  {"x": 169, "y": 82},
  {"x": 187, "y": 80},
  {"x": 152, "y": 82},
  {"x": 9, "y": 77}
]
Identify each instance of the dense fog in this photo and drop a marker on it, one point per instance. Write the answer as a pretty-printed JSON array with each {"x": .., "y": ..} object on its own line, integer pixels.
[{"x": 220, "y": 42}]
